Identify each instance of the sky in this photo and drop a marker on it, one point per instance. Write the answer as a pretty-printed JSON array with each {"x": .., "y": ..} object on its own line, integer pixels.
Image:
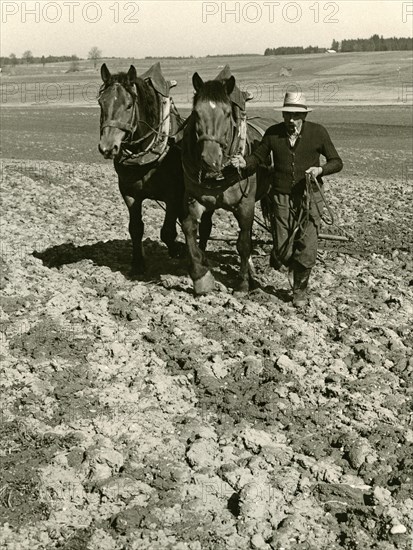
[{"x": 192, "y": 27}]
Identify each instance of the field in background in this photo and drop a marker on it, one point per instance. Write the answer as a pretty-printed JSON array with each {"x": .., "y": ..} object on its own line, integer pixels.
[
  {"x": 72, "y": 135},
  {"x": 327, "y": 79},
  {"x": 364, "y": 99},
  {"x": 138, "y": 416}
]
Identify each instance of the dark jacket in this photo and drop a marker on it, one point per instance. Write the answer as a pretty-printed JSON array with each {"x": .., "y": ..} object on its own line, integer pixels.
[{"x": 290, "y": 163}]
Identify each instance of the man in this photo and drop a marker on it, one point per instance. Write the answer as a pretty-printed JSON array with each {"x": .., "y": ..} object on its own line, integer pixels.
[{"x": 296, "y": 146}]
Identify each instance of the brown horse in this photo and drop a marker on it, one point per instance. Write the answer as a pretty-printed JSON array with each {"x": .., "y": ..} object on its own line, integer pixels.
[
  {"x": 140, "y": 131},
  {"x": 211, "y": 136}
]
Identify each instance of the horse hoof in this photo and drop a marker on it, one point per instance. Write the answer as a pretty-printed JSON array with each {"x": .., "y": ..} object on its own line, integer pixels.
[
  {"x": 275, "y": 263},
  {"x": 177, "y": 250},
  {"x": 242, "y": 289},
  {"x": 205, "y": 284},
  {"x": 137, "y": 273},
  {"x": 254, "y": 284},
  {"x": 240, "y": 293}
]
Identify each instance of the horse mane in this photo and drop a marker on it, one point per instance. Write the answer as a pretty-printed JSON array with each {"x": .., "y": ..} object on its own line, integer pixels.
[
  {"x": 148, "y": 101},
  {"x": 144, "y": 94},
  {"x": 212, "y": 90}
]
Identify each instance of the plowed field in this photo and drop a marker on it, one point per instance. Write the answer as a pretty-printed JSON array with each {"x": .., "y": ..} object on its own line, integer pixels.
[{"x": 137, "y": 416}]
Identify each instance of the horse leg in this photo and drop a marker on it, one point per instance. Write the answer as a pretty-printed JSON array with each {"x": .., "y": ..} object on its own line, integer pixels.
[
  {"x": 136, "y": 227},
  {"x": 198, "y": 268},
  {"x": 205, "y": 228},
  {"x": 245, "y": 217},
  {"x": 168, "y": 231}
]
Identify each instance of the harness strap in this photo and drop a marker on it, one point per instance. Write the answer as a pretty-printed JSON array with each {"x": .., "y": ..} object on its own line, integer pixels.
[
  {"x": 181, "y": 122},
  {"x": 206, "y": 137},
  {"x": 303, "y": 217},
  {"x": 238, "y": 144},
  {"x": 159, "y": 145},
  {"x": 242, "y": 134},
  {"x": 126, "y": 126}
]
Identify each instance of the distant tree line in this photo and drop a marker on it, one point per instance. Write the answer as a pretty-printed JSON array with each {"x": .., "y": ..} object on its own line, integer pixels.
[
  {"x": 194, "y": 57},
  {"x": 28, "y": 58},
  {"x": 232, "y": 55},
  {"x": 169, "y": 57},
  {"x": 375, "y": 43},
  {"x": 289, "y": 50}
]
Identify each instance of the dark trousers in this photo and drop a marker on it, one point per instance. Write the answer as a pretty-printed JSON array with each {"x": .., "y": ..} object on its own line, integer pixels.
[{"x": 296, "y": 224}]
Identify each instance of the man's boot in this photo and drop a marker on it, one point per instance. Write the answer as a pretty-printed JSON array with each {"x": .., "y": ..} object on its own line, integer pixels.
[{"x": 301, "y": 276}]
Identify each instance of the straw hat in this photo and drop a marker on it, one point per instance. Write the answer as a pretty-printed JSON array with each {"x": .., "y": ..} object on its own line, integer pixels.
[{"x": 294, "y": 102}]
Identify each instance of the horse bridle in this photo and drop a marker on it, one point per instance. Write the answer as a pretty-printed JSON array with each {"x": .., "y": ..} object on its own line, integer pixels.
[
  {"x": 125, "y": 127},
  {"x": 128, "y": 127},
  {"x": 131, "y": 127},
  {"x": 205, "y": 137},
  {"x": 224, "y": 145}
]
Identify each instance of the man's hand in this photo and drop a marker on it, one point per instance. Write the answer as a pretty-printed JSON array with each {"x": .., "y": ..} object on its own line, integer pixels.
[
  {"x": 238, "y": 161},
  {"x": 315, "y": 171}
]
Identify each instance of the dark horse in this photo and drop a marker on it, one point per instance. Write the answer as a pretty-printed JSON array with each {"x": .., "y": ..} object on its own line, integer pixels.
[
  {"x": 211, "y": 136},
  {"x": 138, "y": 122}
]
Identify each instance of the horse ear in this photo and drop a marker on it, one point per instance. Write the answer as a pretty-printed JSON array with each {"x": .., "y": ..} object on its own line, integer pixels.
[
  {"x": 230, "y": 84},
  {"x": 197, "y": 82},
  {"x": 132, "y": 74},
  {"x": 105, "y": 73}
]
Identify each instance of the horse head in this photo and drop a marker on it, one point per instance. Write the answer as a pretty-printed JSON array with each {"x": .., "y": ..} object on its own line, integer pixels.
[
  {"x": 118, "y": 110},
  {"x": 212, "y": 121}
]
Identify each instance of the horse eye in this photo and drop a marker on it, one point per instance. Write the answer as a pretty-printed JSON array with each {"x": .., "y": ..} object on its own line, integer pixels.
[{"x": 129, "y": 107}]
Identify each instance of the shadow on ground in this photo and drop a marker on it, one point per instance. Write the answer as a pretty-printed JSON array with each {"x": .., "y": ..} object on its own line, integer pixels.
[{"x": 116, "y": 255}]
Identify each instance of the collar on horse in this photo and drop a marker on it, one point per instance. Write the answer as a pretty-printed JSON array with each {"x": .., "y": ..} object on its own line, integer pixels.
[{"x": 158, "y": 146}]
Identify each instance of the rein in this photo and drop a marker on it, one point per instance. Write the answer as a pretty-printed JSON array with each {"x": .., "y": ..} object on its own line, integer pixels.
[
  {"x": 309, "y": 178},
  {"x": 126, "y": 127},
  {"x": 152, "y": 130},
  {"x": 302, "y": 218}
]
